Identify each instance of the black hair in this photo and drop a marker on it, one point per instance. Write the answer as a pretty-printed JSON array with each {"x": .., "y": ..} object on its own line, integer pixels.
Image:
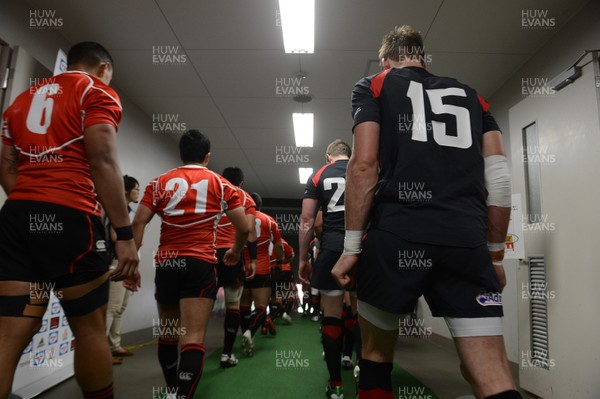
[
  {"x": 193, "y": 146},
  {"x": 130, "y": 183},
  {"x": 90, "y": 54},
  {"x": 257, "y": 199},
  {"x": 234, "y": 174}
]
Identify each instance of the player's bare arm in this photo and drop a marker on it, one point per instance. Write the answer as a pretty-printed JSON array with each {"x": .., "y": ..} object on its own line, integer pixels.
[
  {"x": 319, "y": 225},
  {"x": 278, "y": 251},
  {"x": 251, "y": 223},
  {"x": 101, "y": 150},
  {"x": 306, "y": 233},
  {"x": 143, "y": 216},
  {"x": 497, "y": 181},
  {"x": 9, "y": 162},
  {"x": 361, "y": 182},
  {"x": 242, "y": 230},
  {"x": 250, "y": 269}
]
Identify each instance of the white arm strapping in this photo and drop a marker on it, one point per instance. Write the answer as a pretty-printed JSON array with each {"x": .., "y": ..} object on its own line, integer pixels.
[
  {"x": 353, "y": 242},
  {"x": 497, "y": 181}
]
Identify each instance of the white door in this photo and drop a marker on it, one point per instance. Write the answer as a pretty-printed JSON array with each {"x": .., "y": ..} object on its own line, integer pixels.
[{"x": 558, "y": 176}]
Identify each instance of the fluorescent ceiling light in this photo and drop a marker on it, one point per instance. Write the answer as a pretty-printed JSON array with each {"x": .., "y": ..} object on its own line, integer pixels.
[
  {"x": 298, "y": 25},
  {"x": 304, "y": 174},
  {"x": 303, "y": 129}
]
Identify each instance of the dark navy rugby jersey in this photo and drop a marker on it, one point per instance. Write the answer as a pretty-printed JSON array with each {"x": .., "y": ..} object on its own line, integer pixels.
[
  {"x": 431, "y": 187},
  {"x": 327, "y": 186}
]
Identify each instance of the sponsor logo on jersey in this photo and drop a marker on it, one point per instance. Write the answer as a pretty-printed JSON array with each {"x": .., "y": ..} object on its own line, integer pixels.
[{"x": 489, "y": 299}]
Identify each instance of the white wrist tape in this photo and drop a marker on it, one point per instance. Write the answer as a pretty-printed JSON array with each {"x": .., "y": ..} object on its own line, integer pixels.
[
  {"x": 497, "y": 181},
  {"x": 495, "y": 246},
  {"x": 353, "y": 242}
]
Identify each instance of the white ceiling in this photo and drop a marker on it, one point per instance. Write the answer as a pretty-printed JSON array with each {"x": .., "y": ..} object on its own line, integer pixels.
[{"x": 234, "y": 54}]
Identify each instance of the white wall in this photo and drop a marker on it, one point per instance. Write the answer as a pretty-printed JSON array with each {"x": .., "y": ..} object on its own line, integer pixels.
[{"x": 142, "y": 153}]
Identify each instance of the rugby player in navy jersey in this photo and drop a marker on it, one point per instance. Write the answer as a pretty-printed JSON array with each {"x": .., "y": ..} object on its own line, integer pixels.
[
  {"x": 429, "y": 179},
  {"x": 325, "y": 191}
]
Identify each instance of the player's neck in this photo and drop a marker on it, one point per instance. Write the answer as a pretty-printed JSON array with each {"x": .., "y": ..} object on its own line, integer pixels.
[
  {"x": 406, "y": 64},
  {"x": 203, "y": 164},
  {"x": 339, "y": 159}
]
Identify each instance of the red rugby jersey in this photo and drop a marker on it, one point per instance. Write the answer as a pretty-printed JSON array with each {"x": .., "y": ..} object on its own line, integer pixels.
[
  {"x": 45, "y": 124},
  {"x": 226, "y": 229},
  {"x": 288, "y": 252},
  {"x": 267, "y": 232},
  {"x": 190, "y": 200}
]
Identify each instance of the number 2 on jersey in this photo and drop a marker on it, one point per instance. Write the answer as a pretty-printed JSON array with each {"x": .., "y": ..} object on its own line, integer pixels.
[
  {"x": 201, "y": 189},
  {"x": 328, "y": 183},
  {"x": 463, "y": 138}
]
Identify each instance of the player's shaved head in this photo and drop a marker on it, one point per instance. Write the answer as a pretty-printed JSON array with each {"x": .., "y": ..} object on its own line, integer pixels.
[
  {"x": 402, "y": 42},
  {"x": 193, "y": 146},
  {"x": 234, "y": 174},
  {"x": 339, "y": 148},
  {"x": 257, "y": 199},
  {"x": 88, "y": 54}
]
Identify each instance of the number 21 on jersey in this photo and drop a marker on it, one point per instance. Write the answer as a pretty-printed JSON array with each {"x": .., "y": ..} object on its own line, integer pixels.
[{"x": 201, "y": 189}]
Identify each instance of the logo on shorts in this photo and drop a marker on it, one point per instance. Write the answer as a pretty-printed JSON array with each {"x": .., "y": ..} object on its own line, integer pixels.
[
  {"x": 186, "y": 376},
  {"x": 489, "y": 299},
  {"x": 100, "y": 246},
  {"x": 357, "y": 111}
]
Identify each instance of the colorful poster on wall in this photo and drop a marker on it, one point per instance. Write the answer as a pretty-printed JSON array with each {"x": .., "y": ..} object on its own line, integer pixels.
[
  {"x": 48, "y": 359},
  {"x": 60, "y": 65},
  {"x": 515, "y": 243}
]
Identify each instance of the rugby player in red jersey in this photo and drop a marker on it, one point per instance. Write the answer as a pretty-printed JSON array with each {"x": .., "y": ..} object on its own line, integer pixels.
[
  {"x": 283, "y": 290},
  {"x": 232, "y": 277},
  {"x": 58, "y": 164},
  {"x": 259, "y": 288},
  {"x": 190, "y": 200}
]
